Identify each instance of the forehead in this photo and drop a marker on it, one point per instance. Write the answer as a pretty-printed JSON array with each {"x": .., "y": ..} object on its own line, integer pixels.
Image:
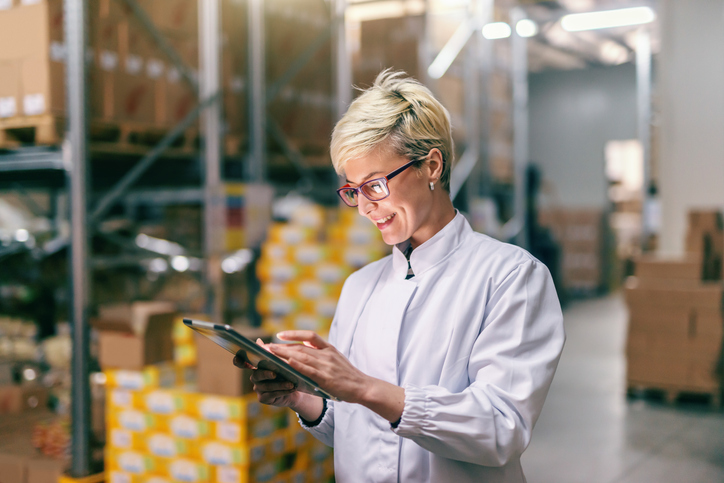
[{"x": 374, "y": 165}]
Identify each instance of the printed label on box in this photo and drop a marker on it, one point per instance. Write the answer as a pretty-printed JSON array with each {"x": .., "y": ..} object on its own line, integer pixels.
[
  {"x": 228, "y": 474},
  {"x": 133, "y": 420},
  {"x": 129, "y": 379},
  {"x": 30, "y": 2},
  {"x": 8, "y": 107},
  {"x": 132, "y": 462},
  {"x": 119, "y": 477},
  {"x": 162, "y": 445},
  {"x": 157, "y": 479},
  {"x": 154, "y": 68},
  {"x": 185, "y": 427},
  {"x": 214, "y": 409},
  {"x": 230, "y": 432},
  {"x": 34, "y": 104},
  {"x": 160, "y": 402},
  {"x": 218, "y": 454},
  {"x": 134, "y": 64},
  {"x": 109, "y": 61},
  {"x": 6, "y": 4},
  {"x": 121, "y": 438},
  {"x": 121, "y": 398},
  {"x": 185, "y": 471}
]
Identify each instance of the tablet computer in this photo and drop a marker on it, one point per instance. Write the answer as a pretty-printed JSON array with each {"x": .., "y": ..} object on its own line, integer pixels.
[{"x": 256, "y": 355}]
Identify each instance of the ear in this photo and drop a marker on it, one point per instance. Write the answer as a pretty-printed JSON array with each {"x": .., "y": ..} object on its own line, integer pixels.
[{"x": 435, "y": 164}]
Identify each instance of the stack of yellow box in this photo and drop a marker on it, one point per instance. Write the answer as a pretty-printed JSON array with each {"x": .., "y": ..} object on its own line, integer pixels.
[
  {"x": 166, "y": 434},
  {"x": 184, "y": 347},
  {"x": 303, "y": 266}
]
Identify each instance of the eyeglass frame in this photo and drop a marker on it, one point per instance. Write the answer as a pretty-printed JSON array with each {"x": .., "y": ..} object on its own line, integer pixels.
[{"x": 384, "y": 179}]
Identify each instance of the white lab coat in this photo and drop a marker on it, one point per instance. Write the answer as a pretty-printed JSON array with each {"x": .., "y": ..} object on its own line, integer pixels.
[{"x": 474, "y": 338}]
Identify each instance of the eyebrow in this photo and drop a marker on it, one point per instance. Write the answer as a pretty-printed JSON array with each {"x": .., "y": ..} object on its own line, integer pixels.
[{"x": 369, "y": 176}]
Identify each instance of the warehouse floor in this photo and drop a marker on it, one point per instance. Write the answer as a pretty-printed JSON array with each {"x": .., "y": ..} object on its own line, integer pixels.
[{"x": 590, "y": 432}]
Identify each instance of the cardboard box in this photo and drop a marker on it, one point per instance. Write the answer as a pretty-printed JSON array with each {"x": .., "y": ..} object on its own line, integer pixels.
[
  {"x": 704, "y": 296},
  {"x": 135, "y": 335},
  {"x": 661, "y": 371},
  {"x": 215, "y": 368},
  {"x": 13, "y": 468},
  {"x": 45, "y": 470},
  {"x": 16, "y": 398},
  {"x": 10, "y": 88},
  {"x": 681, "y": 322},
  {"x": 690, "y": 349},
  {"x": 689, "y": 268},
  {"x": 706, "y": 220}
]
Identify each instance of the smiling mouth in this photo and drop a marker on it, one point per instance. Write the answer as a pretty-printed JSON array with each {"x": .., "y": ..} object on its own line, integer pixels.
[{"x": 384, "y": 220}]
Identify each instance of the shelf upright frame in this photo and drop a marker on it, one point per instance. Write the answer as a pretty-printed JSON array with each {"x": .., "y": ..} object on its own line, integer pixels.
[
  {"x": 211, "y": 129},
  {"x": 75, "y": 153}
]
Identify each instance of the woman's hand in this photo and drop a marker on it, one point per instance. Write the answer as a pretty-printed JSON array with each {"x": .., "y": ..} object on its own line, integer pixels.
[
  {"x": 323, "y": 363},
  {"x": 276, "y": 391},
  {"x": 326, "y": 366}
]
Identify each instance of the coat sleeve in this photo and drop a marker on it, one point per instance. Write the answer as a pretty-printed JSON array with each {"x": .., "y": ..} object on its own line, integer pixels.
[{"x": 511, "y": 367}]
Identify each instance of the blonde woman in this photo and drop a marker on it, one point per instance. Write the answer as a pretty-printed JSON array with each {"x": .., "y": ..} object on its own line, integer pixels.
[{"x": 441, "y": 353}]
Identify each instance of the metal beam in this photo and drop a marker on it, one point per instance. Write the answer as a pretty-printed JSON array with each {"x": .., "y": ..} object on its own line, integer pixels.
[
  {"x": 256, "y": 164},
  {"x": 342, "y": 63},
  {"x": 294, "y": 156},
  {"x": 515, "y": 228},
  {"x": 210, "y": 83},
  {"x": 452, "y": 49},
  {"x": 132, "y": 176},
  {"x": 643, "y": 94},
  {"x": 76, "y": 154},
  {"x": 162, "y": 43},
  {"x": 298, "y": 63}
]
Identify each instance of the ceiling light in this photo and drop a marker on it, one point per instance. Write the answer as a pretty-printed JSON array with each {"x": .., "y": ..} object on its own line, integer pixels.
[
  {"x": 526, "y": 28},
  {"x": 496, "y": 30},
  {"x": 608, "y": 19},
  {"x": 180, "y": 263}
]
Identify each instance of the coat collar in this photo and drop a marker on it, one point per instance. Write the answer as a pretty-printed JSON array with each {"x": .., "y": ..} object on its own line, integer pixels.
[{"x": 433, "y": 251}]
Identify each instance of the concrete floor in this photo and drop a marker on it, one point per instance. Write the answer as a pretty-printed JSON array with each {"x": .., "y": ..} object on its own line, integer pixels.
[{"x": 589, "y": 432}]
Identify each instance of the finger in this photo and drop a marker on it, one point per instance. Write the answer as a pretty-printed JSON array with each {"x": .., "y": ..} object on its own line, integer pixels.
[
  {"x": 308, "y": 337},
  {"x": 259, "y": 375},
  {"x": 266, "y": 387},
  {"x": 242, "y": 364}
]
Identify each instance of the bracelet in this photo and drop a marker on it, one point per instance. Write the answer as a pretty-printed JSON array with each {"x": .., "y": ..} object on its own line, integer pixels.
[{"x": 311, "y": 424}]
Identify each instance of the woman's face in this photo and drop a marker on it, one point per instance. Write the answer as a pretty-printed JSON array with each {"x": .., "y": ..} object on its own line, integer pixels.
[{"x": 411, "y": 211}]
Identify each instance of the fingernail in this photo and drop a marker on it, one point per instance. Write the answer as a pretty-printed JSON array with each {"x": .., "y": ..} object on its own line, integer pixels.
[{"x": 282, "y": 334}]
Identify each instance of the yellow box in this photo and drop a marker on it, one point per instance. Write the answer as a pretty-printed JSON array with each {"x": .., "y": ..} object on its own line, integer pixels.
[
  {"x": 217, "y": 453},
  {"x": 187, "y": 427},
  {"x": 133, "y": 462},
  {"x": 116, "y": 476},
  {"x": 163, "y": 445},
  {"x": 182, "y": 334},
  {"x": 184, "y": 469},
  {"x": 118, "y": 399},
  {"x": 160, "y": 375},
  {"x": 135, "y": 420},
  {"x": 185, "y": 355},
  {"x": 124, "y": 439},
  {"x": 311, "y": 253},
  {"x": 278, "y": 270},
  {"x": 291, "y": 234},
  {"x": 331, "y": 272},
  {"x": 276, "y": 252},
  {"x": 167, "y": 401}
]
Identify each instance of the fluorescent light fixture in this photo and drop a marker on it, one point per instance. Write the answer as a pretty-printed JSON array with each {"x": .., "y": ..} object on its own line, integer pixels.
[
  {"x": 623, "y": 17},
  {"x": 22, "y": 235},
  {"x": 526, "y": 28},
  {"x": 158, "y": 245},
  {"x": 451, "y": 50},
  {"x": 497, "y": 30}
]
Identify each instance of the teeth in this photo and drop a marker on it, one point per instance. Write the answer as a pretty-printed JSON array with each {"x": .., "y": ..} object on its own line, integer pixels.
[{"x": 385, "y": 219}]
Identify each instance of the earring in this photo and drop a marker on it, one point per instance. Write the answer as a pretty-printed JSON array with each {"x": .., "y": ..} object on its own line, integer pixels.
[{"x": 432, "y": 186}]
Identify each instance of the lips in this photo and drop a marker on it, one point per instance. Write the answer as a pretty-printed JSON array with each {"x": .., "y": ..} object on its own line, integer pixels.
[{"x": 385, "y": 222}]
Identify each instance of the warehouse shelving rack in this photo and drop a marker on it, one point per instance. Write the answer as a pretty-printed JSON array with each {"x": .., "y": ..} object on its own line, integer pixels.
[{"x": 72, "y": 160}]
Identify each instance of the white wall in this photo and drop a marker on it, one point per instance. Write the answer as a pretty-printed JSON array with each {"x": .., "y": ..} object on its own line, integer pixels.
[
  {"x": 691, "y": 90},
  {"x": 572, "y": 116}
]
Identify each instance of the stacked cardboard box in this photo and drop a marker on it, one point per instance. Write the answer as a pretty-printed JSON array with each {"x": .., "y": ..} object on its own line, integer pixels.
[
  {"x": 705, "y": 239},
  {"x": 302, "y": 268},
  {"x": 18, "y": 345},
  {"x": 676, "y": 309},
  {"x": 580, "y": 233}
]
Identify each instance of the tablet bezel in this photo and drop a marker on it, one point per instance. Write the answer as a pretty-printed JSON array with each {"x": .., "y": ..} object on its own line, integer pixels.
[{"x": 229, "y": 335}]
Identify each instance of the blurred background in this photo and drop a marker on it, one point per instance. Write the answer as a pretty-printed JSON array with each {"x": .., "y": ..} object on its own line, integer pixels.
[{"x": 162, "y": 159}]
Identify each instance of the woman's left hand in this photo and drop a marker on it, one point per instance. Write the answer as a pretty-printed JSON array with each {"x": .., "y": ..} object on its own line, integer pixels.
[{"x": 324, "y": 364}]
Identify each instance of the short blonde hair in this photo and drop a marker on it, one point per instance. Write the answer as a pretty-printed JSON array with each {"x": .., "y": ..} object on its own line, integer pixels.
[{"x": 397, "y": 112}]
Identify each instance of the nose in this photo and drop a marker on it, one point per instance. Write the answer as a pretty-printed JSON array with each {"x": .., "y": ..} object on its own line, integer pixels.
[{"x": 364, "y": 205}]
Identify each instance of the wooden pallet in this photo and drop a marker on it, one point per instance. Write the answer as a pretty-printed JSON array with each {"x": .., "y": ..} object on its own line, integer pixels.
[
  {"x": 672, "y": 393},
  {"x": 117, "y": 136}
]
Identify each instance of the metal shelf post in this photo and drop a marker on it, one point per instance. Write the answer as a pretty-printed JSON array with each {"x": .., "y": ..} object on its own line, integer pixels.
[{"x": 75, "y": 152}]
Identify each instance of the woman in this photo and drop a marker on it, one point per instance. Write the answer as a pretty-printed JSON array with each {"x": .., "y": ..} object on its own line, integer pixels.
[{"x": 443, "y": 352}]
